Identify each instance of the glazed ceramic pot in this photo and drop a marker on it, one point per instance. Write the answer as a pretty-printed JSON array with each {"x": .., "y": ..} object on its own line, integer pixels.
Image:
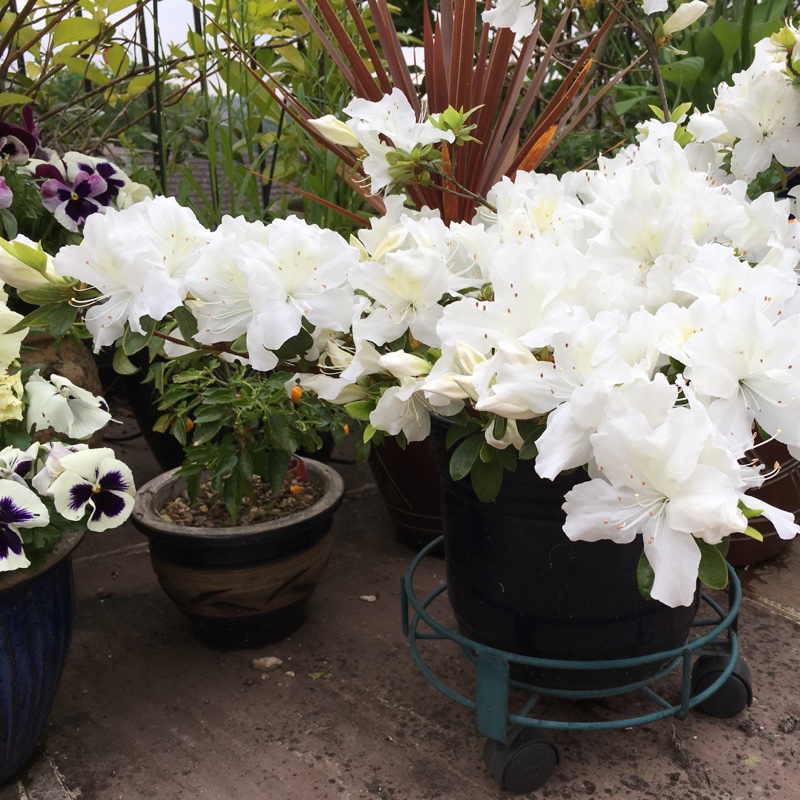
[
  {"x": 37, "y": 611},
  {"x": 246, "y": 585}
]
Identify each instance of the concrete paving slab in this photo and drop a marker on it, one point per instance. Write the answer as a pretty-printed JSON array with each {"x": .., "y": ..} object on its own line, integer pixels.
[{"x": 145, "y": 711}]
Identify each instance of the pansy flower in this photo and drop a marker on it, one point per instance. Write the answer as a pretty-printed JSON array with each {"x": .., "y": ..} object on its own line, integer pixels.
[
  {"x": 59, "y": 404},
  {"x": 16, "y": 144},
  {"x": 50, "y": 461},
  {"x": 6, "y": 195},
  {"x": 19, "y": 508},
  {"x": 94, "y": 481},
  {"x": 16, "y": 464},
  {"x": 71, "y": 200}
]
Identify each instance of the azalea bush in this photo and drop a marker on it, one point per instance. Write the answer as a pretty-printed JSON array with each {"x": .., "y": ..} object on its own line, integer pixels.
[
  {"x": 638, "y": 321},
  {"x": 50, "y": 481}
]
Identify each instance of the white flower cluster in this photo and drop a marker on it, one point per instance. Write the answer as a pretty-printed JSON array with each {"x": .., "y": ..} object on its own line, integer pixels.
[
  {"x": 757, "y": 117},
  {"x": 648, "y": 311}
]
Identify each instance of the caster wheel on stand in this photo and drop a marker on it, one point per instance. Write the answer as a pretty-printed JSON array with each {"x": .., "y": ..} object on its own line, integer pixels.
[
  {"x": 525, "y": 763},
  {"x": 733, "y": 696}
]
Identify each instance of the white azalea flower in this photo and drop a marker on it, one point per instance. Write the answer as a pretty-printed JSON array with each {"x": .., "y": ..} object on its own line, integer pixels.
[
  {"x": 94, "y": 481},
  {"x": 670, "y": 483},
  {"x": 59, "y": 404},
  {"x": 744, "y": 369},
  {"x": 393, "y": 118},
  {"x": 137, "y": 259},
  {"x": 407, "y": 288},
  {"x": 403, "y": 409},
  {"x": 518, "y": 15}
]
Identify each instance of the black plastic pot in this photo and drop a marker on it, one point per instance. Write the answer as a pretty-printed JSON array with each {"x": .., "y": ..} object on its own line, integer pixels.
[
  {"x": 247, "y": 585},
  {"x": 517, "y": 583}
]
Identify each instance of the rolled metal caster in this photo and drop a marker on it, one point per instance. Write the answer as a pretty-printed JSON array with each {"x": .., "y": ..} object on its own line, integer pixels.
[
  {"x": 525, "y": 763},
  {"x": 733, "y": 696}
]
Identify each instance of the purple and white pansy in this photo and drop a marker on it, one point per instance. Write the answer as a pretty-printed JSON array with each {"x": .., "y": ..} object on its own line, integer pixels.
[
  {"x": 94, "y": 481},
  {"x": 16, "y": 464},
  {"x": 19, "y": 508}
]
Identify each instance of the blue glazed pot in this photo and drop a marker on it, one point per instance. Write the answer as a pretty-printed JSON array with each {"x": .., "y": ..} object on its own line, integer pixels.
[{"x": 37, "y": 612}]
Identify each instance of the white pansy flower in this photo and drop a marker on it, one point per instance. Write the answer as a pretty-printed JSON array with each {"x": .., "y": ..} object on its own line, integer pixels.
[
  {"x": 94, "y": 481},
  {"x": 59, "y": 404}
]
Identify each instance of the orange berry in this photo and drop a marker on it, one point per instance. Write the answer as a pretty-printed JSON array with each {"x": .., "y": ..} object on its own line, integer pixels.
[
  {"x": 346, "y": 429},
  {"x": 295, "y": 489},
  {"x": 296, "y": 393},
  {"x": 189, "y": 425}
]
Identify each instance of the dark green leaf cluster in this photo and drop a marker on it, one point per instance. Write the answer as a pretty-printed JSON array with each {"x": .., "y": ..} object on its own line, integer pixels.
[{"x": 235, "y": 422}]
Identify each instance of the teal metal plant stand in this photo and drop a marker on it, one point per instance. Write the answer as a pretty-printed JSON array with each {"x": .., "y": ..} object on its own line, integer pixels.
[{"x": 518, "y": 752}]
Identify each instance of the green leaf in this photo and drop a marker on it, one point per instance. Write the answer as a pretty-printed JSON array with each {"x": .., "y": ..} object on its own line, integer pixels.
[
  {"x": 10, "y": 227},
  {"x": 684, "y": 73},
  {"x": 117, "y": 59},
  {"x": 360, "y": 409},
  {"x": 508, "y": 458},
  {"x": 278, "y": 464},
  {"x": 140, "y": 83},
  {"x": 11, "y": 99},
  {"x": 83, "y": 68},
  {"x": 499, "y": 428},
  {"x": 465, "y": 455},
  {"x": 455, "y": 433},
  {"x": 487, "y": 478},
  {"x": 713, "y": 571},
  {"x": 75, "y": 29},
  {"x": 753, "y": 533},
  {"x": 133, "y": 342},
  {"x": 61, "y": 319},
  {"x": 48, "y": 294},
  {"x": 187, "y": 324},
  {"x": 233, "y": 494},
  {"x": 645, "y": 576},
  {"x": 122, "y": 364},
  {"x": 209, "y": 413},
  {"x": 205, "y": 431}
]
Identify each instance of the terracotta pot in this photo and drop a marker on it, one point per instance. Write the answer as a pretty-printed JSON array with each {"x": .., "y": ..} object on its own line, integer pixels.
[
  {"x": 783, "y": 491},
  {"x": 247, "y": 585},
  {"x": 408, "y": 483},
  {"x": 37, "y": 612}
]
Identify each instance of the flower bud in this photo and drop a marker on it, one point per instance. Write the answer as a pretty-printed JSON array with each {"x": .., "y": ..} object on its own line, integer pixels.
[
  {"x": 336, "y": 131},
  {"x": 405, "y": 365},
  {"x": 24, "y": 265},
  {"x": 684, "y": 16}
]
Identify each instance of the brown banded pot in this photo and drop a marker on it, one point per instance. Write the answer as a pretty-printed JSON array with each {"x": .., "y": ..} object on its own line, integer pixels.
[{"x": 246, "y": 585}]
